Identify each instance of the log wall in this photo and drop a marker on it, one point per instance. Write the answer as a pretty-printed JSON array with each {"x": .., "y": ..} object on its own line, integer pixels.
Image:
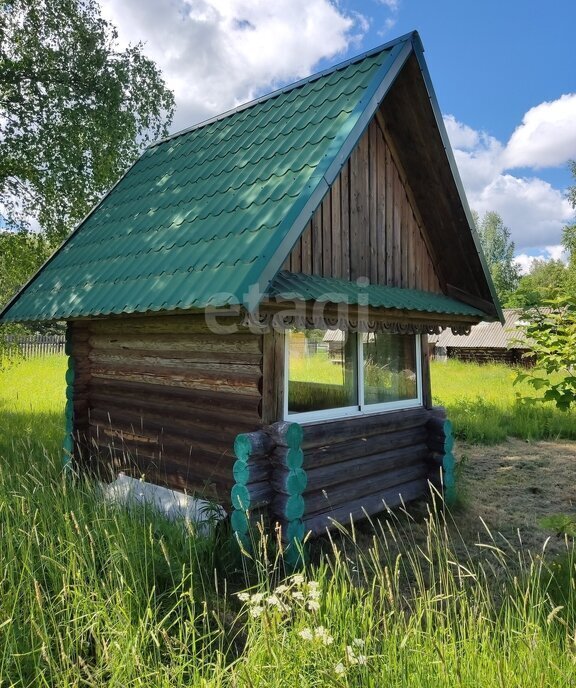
[
  {"x": 368, "y": 224},
  {"x": 166, "y": 398},
  {"x": 355, "y": 465}
]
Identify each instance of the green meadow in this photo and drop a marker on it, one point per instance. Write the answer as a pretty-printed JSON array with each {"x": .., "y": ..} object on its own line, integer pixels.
[{"x": 92, "y": 594}]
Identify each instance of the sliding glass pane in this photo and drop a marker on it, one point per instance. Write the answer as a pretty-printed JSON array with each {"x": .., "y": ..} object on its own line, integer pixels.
[
  {"x": 389, "y": 368},
  {"x": 322, "y": 370}
]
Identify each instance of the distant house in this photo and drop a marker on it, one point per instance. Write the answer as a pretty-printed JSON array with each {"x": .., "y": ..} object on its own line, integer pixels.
[
  {"x": 487, "y": 342},
  {"x": 199, "y": 291}
]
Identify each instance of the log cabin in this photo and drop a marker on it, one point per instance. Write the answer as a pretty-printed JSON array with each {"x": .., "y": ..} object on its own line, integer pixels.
[{"x": 199, "y": 291}]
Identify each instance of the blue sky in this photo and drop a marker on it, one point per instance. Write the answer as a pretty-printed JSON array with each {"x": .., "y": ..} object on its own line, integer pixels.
[{"x": 504, "y": 74}]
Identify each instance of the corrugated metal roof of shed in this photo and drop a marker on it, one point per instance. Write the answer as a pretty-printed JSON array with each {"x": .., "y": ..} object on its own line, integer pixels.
[
  {"x": 486, "y": 335},
  {"x": 291, "y": 285},
  {"x": 196, "y": 219}
]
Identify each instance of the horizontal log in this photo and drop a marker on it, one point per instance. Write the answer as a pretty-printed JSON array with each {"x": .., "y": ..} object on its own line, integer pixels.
[
  {"x": 343, "y": 493},
  {"x": 327, "y": 476},
  {"x": 232, "y": 385},
  {"x": 287, "y": 458},
  {"x": 250, "y": 445},
  {"x": 365, "y": 446},
  {"x": 330, "y": 432},
  {"x": 192, "y": 357},
  {"x": 444, "y": 444},
  {"x": 180, "y": 363},
  {"x": 141, "y": 460},
  {"x": 289, "y": 507},
  {"x": 130, "y": 421},
  {"x": 251, "y": 471},
  {"x": 165, "y": 417},
  {"x": 359, "y": 509},
  {"x": 152, "y": 343},
  {"x": 286, "y": 434},
  {"x": 245, "y": 497},
  {"x": 289, "y": 482},
  {"x": 170, "y": 444},
  {"x": 186, "y": 324},
  {"x": 177, "y": 396}
]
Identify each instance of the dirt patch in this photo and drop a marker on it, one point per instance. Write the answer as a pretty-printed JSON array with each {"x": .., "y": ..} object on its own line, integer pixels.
[{"x": 512, "y": 486}]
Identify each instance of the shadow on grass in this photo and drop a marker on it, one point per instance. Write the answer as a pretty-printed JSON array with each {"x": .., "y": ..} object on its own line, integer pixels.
[{"x": 485, "y": 422}]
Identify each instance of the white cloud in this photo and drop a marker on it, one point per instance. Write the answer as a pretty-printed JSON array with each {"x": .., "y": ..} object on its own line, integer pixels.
[
  {"x": 216, "y": 54},
  {"x": 546, "y": 137},
  {"x": 533, "y": 209},
  {"x": 525, "y": 260}
]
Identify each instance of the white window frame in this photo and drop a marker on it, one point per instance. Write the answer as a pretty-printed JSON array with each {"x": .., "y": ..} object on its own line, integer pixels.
[{"x": 360, "y": 409}]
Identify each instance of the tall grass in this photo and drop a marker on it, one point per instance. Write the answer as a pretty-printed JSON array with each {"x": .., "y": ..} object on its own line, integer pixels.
[
  {"x": 95, "y": 595},
  {"x": 485, "y": 407}
]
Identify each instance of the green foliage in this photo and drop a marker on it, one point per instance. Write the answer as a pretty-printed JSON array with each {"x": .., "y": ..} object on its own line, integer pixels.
[
  {"x": 95, "y": 595},
  {"x": 546, "y": 280},
  {"x": 551, "y": 336},
  {"x": 74, "y": 110},
  {"x": 499, "y": 252}
]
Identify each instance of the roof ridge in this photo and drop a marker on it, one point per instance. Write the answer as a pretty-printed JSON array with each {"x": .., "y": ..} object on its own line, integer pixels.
[{"x": 410, "y": 36}]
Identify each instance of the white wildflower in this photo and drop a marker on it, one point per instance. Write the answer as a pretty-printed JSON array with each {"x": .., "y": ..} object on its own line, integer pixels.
[
  {"x": 243, "y": 596},
  {"x": 281, "y": 589},
  {"x": 297, "y": 595},
  {"x": 358, "y": 642},
  {"x": 297, "y": 579},
  {"x": 350, "y": 655},
  {"x": 313, "y": 605},
  {"x": 257, "y": 597},
  {"x": 322, "y": 634},
  {"x": 274, "y": 601},
  {"x": 340, "y": 669},
  {"x": 256, "y": 610},
  {"x": 306, "y": 633},
  {"x": 361, "y": 659}
]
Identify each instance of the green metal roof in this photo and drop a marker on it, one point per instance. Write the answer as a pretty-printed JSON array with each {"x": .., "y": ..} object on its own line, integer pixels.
[
  {"x": 290, "y": 286},
  {"x": 208, "y": 214}
]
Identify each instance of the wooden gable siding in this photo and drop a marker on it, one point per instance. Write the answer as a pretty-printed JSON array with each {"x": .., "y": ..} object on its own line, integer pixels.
[
  {"x": 367, "y": 224},
  {"x": 165, "y": 399}
]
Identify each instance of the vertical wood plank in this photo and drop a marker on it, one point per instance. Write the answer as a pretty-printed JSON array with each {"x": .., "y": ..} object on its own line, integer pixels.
[
  {"x": 345, "y": 219},
  {"x": 389, "y": 219},
  {"x": 397, "y": 261},
  {"x": 354, "y": 213},
  {"x": 381, "y": 210},
  {"x": 307, "y": 250},
  {"x": 336, "y": 229},
  {"x": 326, "y": 236},
  {"x": 412, "y": 259},
  {"x": 362, "y": 234},
  {"x": 296, "y": 257},
  {"x": 375, "y": 135},
  {"x": 405, "y": 243},
  {"x": 317, "y": 241}
]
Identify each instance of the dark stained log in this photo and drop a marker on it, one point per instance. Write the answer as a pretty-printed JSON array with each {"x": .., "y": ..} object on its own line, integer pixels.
[
  {"x": 239, "y": 383},
  {"x": 181, "y": 363},
  {"x": 165, "y": 324},
  {"x": 344, "y": 493},
  {"x": 205, "y": 358},
  {"x": 244, "y": 405},
  {"x": 273, "y": 377},
  {"x": 251, "y": 471},
  {"x": 286, "y": 434},
  {"x": 251, "y": 445},
  {"x": 159, "y": 342},
  {"x": 369, "y": 505},
  {"x": 326, "y": 476},
  {"x": 333, "y": 454},
  {"x": 364, "y": 426}
]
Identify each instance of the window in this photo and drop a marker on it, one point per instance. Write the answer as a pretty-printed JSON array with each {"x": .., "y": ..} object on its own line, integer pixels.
[{"x": 331, "y": 374}]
